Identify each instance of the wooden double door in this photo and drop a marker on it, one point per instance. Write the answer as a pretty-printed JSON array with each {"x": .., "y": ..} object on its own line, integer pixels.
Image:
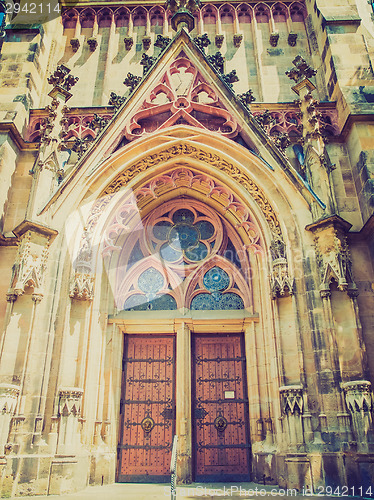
[{"x": 219, "y": 409}]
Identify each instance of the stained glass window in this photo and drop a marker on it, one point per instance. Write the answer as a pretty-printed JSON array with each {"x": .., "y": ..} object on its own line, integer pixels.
[{"x": 183, "y": 254}]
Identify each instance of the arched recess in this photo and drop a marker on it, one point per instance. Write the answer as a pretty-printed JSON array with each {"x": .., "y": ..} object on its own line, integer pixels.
[{"x": 227, "y": 180}]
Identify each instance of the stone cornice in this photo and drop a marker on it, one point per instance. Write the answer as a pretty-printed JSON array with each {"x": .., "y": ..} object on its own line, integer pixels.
[
  {"x": 11, "y": 129},
  {"x": 335, "y": 220},
  {"x": 35, "y": 227}
]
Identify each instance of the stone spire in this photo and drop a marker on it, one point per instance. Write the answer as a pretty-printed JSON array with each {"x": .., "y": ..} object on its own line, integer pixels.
[
  {"x": 317, "y": 165},
  {"x": 182, "y": 11},
  {"x": 48, "y": 169}
]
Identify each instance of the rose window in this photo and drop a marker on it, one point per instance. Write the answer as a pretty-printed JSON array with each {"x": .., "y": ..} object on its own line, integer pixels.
[{"x": 184, "y": 237}]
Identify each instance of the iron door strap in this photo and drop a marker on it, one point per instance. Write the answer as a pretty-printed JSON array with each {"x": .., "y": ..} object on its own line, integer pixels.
[
  {"x": 147, "y": 447},
  {"x": 202, "y": 446},
  {"x": 169, "y": 360},
  {"x": 201, "y": 359}
]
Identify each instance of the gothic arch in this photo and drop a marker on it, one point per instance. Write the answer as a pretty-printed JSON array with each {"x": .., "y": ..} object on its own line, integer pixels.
[{"x": 246, "y": 179}]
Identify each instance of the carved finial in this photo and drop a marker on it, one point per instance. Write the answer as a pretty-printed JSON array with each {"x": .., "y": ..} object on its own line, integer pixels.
[
  {"x": 266, "y": 119},
  {"x": 281, "y": 140},
  {"x": 61, "y": 78},
  {"x": 217, "y": 61},
  {"x": 230, "y": 78},
  {"x": 182, "y": 11},
  {"x": 162, "y": 42},
  {"x": 98, "y": 123},
  {"x": 116, "y": 100},
  {"x": 301, "y": 70}
]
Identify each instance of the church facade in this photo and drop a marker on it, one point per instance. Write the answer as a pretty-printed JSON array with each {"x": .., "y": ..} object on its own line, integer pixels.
[{"x": 187, "y": 245}]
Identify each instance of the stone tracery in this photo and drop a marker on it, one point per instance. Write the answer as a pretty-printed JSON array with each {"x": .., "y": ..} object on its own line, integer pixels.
[
  {"x": 178, "y": 257},
  {"x": 182, "y": 96}
]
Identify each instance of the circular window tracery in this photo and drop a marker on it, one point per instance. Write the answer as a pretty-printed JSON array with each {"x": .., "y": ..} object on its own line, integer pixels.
[
  {"x": 183, "y": 254},
  {"x": 184, "y": 236}
]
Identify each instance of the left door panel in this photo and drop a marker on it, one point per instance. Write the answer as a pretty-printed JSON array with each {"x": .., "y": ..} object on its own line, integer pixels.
[{"x": 147, "y": 409}]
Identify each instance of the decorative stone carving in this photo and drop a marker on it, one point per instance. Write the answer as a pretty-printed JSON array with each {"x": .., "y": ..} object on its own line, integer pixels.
[
  {"x": 219, "y": 40},
  {"x": 274, "y": 37},
  {"x": 182, "y": 102},
  {"x": 129, "y": 42},
  {"x": 53, "y": 132},
  {"x": 202, "y": 41},
  {"x": 75, "y": 44},
  {"x": 247, "y": 98},
  {"x": 217, "y": 61},
  {"x": 167, "y": 182},
  {"x": 230, "y": 78},
  {"x": 189, "y": 151},
  {"x": 8, "y": 401},
  {"x": 92, "y": 43},
  {"x": 175, "y": 5},
  {"x": 116, "y": 100},
  {"x": 47, "y": 125},
  {"x": 61, "y": 78},
  {"x": 99, "y": 123},
  {"x": 8, "y": 398},
  {"x": 281, "y": 140},
  {"x": 80, "y": 146},
  {"x": 69, "y": 411},
  {"x": 359, "y": 401},
  {"x": 83, "y": 261},
  {"x": 147, "y": 63},
  {"x": 162, "y": 42},
  {"x": 332, "y": 254},
  {"x": 30, "y": 263},
  {"x": 81, "y": 287},
  {"x": 292, "y": 38},
  {"x": 182, "y": 11},
  {"x": 70, "y": 399},
  {"x": 292, "y": 410},
  {"x": 146, "y": 40},
  {"x": 301, "y": 70},
  {"x": 132, "y": 81},
  {"x": 237, "y": 40},
  {"x": 291, "y": 399},
  {"x": 281, "y": 282},
  {"x": 265, "y": 119},
  {"x": 77, "y": 122}
]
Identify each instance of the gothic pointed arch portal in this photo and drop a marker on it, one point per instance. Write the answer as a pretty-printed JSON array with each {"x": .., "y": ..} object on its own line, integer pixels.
[
  {"x": 183, "y": 254},
  {"x": 182, "y": 244},
  {"x": 186, "y": 241}
]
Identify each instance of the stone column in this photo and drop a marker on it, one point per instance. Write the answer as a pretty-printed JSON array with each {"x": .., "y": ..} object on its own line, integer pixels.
[
  {"x": 183, "y": 404},
  {"x": 255, "y": 416}
]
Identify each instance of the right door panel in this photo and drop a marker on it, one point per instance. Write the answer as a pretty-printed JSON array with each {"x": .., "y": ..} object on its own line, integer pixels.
[{"x": 220, "y": 409}]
